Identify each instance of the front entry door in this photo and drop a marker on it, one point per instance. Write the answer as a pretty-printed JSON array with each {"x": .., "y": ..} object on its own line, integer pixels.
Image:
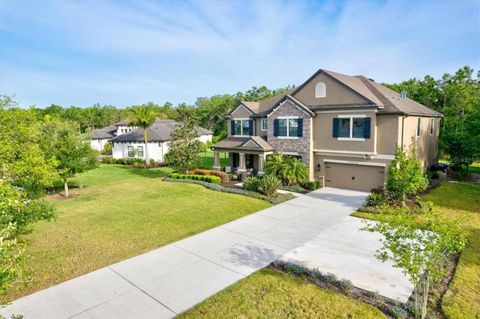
[
  {"x": 249, "y": 162},
  {"x": 235, "y": 160}
]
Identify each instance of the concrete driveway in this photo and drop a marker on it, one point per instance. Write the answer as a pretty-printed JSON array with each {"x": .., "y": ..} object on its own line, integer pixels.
[{"x": 313, "y": 229}]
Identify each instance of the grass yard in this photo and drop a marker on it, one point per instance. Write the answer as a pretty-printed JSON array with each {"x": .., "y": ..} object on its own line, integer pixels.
[
  {"x": 272, "y": 294},
  {"x": 459, "y": 200},
  {"x": 207, "y": 159},
  {"x": 122, "y": 212}
]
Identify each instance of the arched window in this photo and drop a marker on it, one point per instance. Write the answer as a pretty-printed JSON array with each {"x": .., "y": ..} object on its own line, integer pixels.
[{"x": 320, "y": 90}]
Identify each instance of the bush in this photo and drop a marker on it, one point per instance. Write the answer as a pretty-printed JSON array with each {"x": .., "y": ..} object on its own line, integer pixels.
[
  {"x": 269, "y": 185},
  {"x": 436, "y": 174},
  {"x": 199, "y": 171},
  {"x": 312, "y": 185},
  {"x": 376, "y": 199},
  {"x": 107, "y": 149},
  {"x": 345, "y": 285},
  {"x": 330, "y": 278},
  {"x": 398, "y": 312},
  {"x": 195, "y": 177},
  {"x": 251, "y": 184},
  {"x": 294, "y": 188},
  {"x": 109, "y": 160}
]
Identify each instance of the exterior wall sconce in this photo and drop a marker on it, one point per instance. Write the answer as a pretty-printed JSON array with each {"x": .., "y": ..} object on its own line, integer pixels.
[{"x": 319, "y": 167}]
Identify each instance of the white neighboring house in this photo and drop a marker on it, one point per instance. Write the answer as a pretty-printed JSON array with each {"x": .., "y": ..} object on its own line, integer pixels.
[
  {"x": 131, "y": 145},
  {"x": 100, "y": 137}
]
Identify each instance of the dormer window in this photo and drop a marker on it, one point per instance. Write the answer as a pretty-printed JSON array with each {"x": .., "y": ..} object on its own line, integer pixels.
[{"x": 320, "y": 90}]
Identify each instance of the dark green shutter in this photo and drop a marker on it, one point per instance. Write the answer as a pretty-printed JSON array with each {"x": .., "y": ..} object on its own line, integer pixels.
[
  {"x": 250, "y": 127},
  {"x": 300, "y": 127},
  {"x": 336, "y": 124},
  {"x": 366, "y": 127},
  {"x": 275, "y": 127},
  {"x": 232, "y": 127}
]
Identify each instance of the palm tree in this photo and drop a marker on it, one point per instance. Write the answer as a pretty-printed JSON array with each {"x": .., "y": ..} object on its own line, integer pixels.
[
  {"x": 275, "y": 165},
  {"x": 143, "y": 116},
  {"x": 295, "y": 171}
]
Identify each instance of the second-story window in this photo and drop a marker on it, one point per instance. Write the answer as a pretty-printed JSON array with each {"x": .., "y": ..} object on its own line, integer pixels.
[
  {"x": 288, "y": 127},
  {"x": 351, "y": 127},
  {"x": 264, "y": 124},
  {"x": 242, "y": 127}
]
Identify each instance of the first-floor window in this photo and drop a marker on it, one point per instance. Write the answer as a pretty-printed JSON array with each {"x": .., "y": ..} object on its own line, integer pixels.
[
  {"x": 140, "y": 151},
  {"x": 131, "y": 151}
]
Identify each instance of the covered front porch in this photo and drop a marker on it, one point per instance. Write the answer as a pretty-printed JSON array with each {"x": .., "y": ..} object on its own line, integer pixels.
[{"x": 245, "y": 155}]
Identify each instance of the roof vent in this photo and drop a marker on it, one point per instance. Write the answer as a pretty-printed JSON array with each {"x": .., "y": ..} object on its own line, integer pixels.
[
  {"x": 403, "y": 94},
  {"x": 371, "y": 79}
]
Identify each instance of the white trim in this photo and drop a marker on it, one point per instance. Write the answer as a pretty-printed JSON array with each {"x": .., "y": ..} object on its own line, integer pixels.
[
  {"x": 355, "y": 163},
  {"x": 290, "y": 153},
  {"x": 354, "y": 139},
  {"x": 294, "y": 103},
  {"x": 261, "y": 124},
  {"x": 323, "y": 93},
  {"x": 287, "y": 137},
  {"x": 288, "y": 117},
  {"x": 352, "y": 115},
  {"x": 344, "y": 152},
  {"x": 241, "y": 119},
  {"x": 385, "y": 157},
  {"x": 345, "y": 111},
  {"x": 242, "y": 105}
]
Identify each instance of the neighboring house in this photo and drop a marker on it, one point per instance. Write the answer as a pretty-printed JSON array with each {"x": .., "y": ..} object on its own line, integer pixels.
[
  {"x": 344, "y": 128},
  {"x": 102, "y": 136},
  {"x": 131, "y": 144}
]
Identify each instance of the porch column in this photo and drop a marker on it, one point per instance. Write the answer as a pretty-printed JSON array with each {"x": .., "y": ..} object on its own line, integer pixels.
[
  {"x": 261, "y": 164},
  {"x": 216, "y": 161},
  {"x": 242, "y": 167}
]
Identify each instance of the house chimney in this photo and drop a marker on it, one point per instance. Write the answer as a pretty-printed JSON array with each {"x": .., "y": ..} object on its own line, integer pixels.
[{"x": 403, "y": 94}]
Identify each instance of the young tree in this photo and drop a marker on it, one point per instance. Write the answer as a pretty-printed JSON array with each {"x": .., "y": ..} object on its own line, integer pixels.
[
  {"x": 184, "y": 148},
  {"x": 143, "y": 116},
  {"x": 421, "y": 254},
  {"x": 25, "y": 171},
  {"x": 405, "y": 175},
  {"x": 64, "y": 142}
]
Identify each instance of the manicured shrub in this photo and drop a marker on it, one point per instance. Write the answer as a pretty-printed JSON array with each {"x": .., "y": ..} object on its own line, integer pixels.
[
  {"x": 330, "y": 278},
  {"x": 398, "y": 312},
  {"x": 376, "y": 199},
  {"x": 251, "y": 184},
  {"x": 200, "y": 171},
  {"x": 269, "y": 185},
  {"x": 195, "y": 177},
  {"x": 109, "y": 160},
  {"x": 294, "y": 188},
  {"x": 311, "y": 185}
]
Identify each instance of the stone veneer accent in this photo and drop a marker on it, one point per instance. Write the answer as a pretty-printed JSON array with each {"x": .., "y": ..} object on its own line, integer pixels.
[{"x": 300, "y": 145}]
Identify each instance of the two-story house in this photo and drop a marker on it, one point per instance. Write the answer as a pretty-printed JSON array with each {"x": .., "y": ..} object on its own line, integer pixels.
[{"x": 344, "y": 128}]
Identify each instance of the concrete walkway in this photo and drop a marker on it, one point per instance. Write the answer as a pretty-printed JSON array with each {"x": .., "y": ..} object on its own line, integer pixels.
[{"x": 167, "y": 281}]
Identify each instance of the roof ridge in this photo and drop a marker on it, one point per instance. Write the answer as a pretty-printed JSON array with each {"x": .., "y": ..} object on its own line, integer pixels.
[{"x": 375, "y": 91}]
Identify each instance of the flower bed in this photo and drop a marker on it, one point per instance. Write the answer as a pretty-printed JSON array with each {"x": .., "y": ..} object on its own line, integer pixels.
[{"x": 195, "y": 177}]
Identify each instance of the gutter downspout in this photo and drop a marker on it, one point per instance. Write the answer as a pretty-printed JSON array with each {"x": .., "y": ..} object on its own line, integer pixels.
[{"x": 403, "y": 127}]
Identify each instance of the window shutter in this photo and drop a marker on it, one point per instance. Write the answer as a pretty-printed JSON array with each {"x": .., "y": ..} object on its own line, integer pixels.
[
  {"x": 250, "y": 127},
  {"x": 300, "y": 127},
  {"x": 232, "y": 127},
  {"x": 366, "y": 127},
  {"x": 336, "y": 124},
  {"x": 275, "y": 127}
]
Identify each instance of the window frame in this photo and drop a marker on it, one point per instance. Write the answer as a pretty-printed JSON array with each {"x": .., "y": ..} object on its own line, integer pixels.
[
  {"x": 264, "y": 120},
  {"x": 288, "y": 118},
  {"x": 130, "y": 147},
  {"x": 351, "y": 118},
  {"x": 241, "y": 127},
  {"x": 324, "y": 88},
  {"x": 138, "y": 152}
]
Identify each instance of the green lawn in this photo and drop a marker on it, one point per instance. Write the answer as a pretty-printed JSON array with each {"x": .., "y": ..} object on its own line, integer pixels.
[
  {"x": 459, "y": 200},
  {"x": 123, "y": 212},
  {"x": 273, "y": 294},
  {"x": 207, "y": 159}
]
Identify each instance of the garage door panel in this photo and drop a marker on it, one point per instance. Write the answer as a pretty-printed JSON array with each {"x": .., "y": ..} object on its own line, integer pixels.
[{"x": 354, "y": 176}]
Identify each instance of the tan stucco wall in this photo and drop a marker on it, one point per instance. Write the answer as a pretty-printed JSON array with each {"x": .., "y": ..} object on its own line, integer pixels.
[
  {"x": 388, "y": 134},
  {"x": 258, "y": 128},
  {"x": 426, "y": 144},
  {"x": 323, "y": 129},
  {"x": 337, "y": 93},
  {"x": 240, "y": 113}
]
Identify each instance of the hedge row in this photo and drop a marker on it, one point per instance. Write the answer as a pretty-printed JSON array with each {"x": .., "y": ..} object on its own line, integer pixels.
[
  {"x": 280, "y": 198},
  {"x": 123, "y": 161},
  {"x": 201, "y": 171},
  {"x": 195, "y": 177}
]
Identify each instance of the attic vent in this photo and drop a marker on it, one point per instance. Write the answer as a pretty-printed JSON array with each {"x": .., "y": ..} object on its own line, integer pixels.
[{"x": 403, "y": 94}]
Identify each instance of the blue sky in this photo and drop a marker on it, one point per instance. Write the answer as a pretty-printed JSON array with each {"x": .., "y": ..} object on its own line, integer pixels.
[{"x": 132, "y": 52}]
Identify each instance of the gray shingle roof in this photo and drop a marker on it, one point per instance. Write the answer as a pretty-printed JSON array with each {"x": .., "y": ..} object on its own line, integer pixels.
[
  {"x": 104, "y": 133},
  {"x": 251, "y": 143},
  {"x": 159, "y": 132}
]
